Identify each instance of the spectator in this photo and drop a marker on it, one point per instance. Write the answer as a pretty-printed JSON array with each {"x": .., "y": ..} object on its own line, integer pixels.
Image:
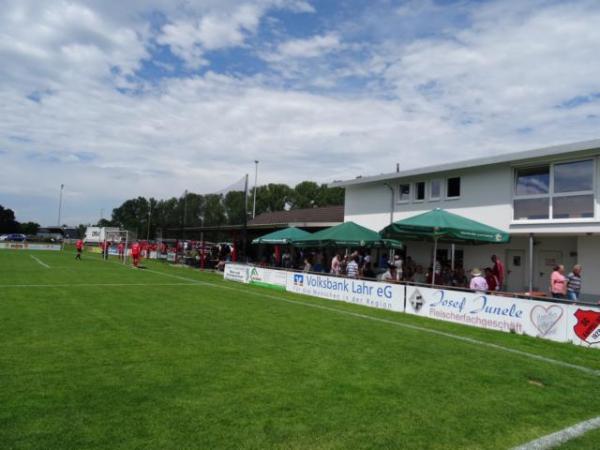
[
  {"x": 558, "y": 282},
  {"x": 286, "y": 259},
  {"x": 383, "y": 261},
  {"x": 389, "y": 274},
  {"x": 459, "y": 278},
  {"x": 336, "y": 266},
  {"x": 491, "y": 279},
  {"x": 367, "y": 271},
  {"x": 419, "y": 276},
  {"x": 574, "y": 283},
  {"x": 398, "y": 264},
  {"x": 318, "y": 267},
  {"x": 307, "y": 265},
  {"x": 498, "y": 270},
  {"x": 352, "y": 268},
  {"x": 478, "y": 283}
]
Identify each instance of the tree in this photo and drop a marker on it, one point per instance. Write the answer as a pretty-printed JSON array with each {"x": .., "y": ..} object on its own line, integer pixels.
[
  {"x": 8, "y": 224},
  {"x": 306, "y": 195},
  {"x": 214, "y": 211},
  {"x": 133, "y": 215},
  {"x": 81, "y": 230},
  {"x": 235, "y": 207},
  {"x": 330, "y": 196},
  {"x": 105, "y": 223},
  {"x": 29, "y": 228}
]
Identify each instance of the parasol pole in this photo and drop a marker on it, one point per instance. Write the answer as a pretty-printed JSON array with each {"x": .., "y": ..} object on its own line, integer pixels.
[{"x": 435, "y": 241}]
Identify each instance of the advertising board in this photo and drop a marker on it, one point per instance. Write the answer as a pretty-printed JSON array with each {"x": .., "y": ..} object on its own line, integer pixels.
[
  {"x": 367, "y": 293},
  {"x": 273, "y": 279},
  {"x": 28, "y": 246},
  {"x": 237, "y": 272},
  {"x": 583, "y": 325},
  {"x": 554, "y": 321},
  {"x": 522, "y": 316}
]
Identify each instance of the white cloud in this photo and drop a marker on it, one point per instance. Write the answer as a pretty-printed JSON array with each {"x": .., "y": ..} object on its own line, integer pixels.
[
  {"x": 455, "y": 95},
  {"x": 309, "y": 48},
  {"x": 220, "y": 27}
]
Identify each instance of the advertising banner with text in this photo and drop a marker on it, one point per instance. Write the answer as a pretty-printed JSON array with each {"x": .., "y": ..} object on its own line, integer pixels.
[
  {"x": 28, "y": 246},
  {"x": 274, "y": 279},
  {"x": 558, "y": 322},
  {"x": 367, "y": 293},
  {"x": 237, "y": 272},
  {"x": 531, "y": 317}
]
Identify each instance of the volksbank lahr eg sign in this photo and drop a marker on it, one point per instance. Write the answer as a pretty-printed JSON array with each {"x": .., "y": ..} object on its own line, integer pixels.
[{"x": 368, "y": 293}]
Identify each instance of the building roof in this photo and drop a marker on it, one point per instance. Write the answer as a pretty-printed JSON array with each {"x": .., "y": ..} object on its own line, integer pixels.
[
  {"x": 322, "y": 217},
  {"x": 309, "y": 217},
  {"x": 476, "y": 162}
]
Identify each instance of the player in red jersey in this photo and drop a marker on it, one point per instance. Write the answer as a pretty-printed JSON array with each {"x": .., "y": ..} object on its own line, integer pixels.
[
  {"x": 121, "y": 250},
  {"x": 79, "y": 247},
  {"x": 135, "y": 253}
]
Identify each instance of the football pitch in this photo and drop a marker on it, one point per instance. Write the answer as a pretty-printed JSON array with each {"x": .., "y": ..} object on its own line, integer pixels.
[{"x": 94, "y": 354}]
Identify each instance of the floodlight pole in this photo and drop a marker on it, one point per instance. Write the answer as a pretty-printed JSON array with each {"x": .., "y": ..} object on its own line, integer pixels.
[
  {"x": 435, "y": 243},
  {"x": 149, "y": 218},
  {"x": 62, "y": 186},
  {"x": 245, "y": 224},
  {"x": 255, "y": 183},
  {"x": 126, "y": 247}
]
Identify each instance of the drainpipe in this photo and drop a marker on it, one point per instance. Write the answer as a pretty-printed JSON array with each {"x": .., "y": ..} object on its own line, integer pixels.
[
  {"x": 530, "y": 262},
  {"x": 392, "y": 202}
]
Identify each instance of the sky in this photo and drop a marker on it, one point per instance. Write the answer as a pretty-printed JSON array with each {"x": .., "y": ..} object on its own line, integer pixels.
[{"x": 117, "y": 99}]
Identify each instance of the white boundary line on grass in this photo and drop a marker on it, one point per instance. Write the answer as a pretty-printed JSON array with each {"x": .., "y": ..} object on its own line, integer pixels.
[
  {"x": 556, "y": 362},
  {"x": 92, "y": 285},
  {"x": 40, "y": 262},
  {"x": 562, "y": 436}
]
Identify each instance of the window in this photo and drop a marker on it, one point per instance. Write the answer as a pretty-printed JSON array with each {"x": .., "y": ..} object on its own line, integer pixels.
[
  {"x": 573, "y": 207},
  {"x": 453, "y": 187},
  {"x": 555, "y": 191},
  {"x": 435, "y": 191},
  {"x": 532, "y": 209},
  {"x": 420, "y": 191},
  {"x": 574, "y": 177},
  {"x": 404, "y": 193},
  {"x": 532, "y": 181}
]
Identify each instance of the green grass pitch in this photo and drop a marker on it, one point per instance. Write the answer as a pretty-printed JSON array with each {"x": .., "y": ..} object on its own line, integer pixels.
[{"x": 97, "y": 355}]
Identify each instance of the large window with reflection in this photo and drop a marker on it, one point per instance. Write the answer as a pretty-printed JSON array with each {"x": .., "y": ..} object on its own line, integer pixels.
[{"x": 555, "y": 191}]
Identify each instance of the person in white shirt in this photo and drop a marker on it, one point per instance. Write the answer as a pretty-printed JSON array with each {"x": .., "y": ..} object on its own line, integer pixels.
[
  {"x": 352, "y": 268},
  {"x": 398, "y": 265},
  {"x": 389, "y": 274}
]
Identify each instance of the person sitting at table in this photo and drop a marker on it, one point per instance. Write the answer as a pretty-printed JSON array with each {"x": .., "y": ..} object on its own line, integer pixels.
[{"x": 478, "y": 283}]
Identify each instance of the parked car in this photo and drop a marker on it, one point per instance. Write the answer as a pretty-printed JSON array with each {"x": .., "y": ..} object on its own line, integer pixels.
[{"x": 15, "y": 237}]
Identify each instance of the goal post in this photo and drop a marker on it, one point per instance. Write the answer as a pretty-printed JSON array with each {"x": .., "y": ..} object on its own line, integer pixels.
[{"x": 118, "y": 244}]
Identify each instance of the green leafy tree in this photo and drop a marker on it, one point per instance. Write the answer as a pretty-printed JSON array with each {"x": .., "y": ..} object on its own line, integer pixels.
[
  {"x": 29, "y": 228},
  {"x": 330, "y": 196},
  {"x": 214, "y": 210},
  {"x": 306, "y": 195},
  {"x": 8, "y": 223},
  {"x": 235, "y": 207}
]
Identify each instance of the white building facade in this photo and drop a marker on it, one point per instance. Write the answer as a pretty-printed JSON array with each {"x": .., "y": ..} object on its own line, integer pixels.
[{"x": 547, "y": 199}]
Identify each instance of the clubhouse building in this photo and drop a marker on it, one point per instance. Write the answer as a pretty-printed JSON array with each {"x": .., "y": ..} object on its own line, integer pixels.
[{"x": 548, "y": 199}]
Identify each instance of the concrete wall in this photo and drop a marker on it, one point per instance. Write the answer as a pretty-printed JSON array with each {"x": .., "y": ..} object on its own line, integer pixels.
[
  {"x": 485, "y": 193},
  {"x": 588, "y": 249},
  {"x": 486, "y": 196}
]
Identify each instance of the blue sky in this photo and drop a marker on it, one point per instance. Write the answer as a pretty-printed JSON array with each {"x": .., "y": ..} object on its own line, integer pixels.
[{"x": 153, "y": 97}]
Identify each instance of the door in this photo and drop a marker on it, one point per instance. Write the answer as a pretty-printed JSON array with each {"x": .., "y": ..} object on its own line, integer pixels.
[
  {"x": 516, "y": 280},
  {"x": 547, "y": 259}
]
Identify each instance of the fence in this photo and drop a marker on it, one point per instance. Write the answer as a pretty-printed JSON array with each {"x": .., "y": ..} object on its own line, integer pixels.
[{"x": 561, "y": 322}]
